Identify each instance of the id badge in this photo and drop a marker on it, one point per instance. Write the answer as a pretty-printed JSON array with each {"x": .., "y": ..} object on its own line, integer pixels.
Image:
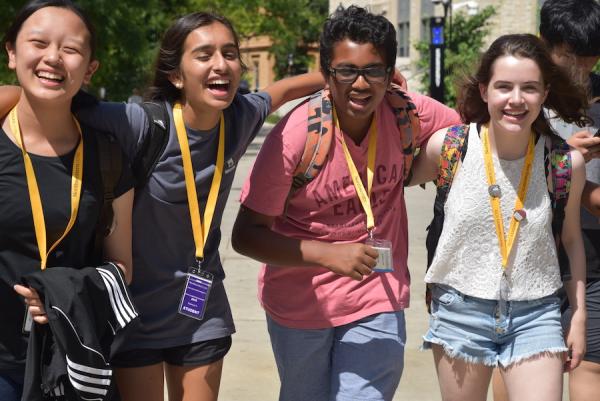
[
  {"x": 384, "y": 260},
  {"x": 195, "y": 294},
  {"x": 27, "y": 321}
]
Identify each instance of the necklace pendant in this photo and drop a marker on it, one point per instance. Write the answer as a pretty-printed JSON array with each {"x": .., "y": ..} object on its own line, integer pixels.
[
  {"x": 494, "y": 191},
  {"x": 520, "y": 215}
]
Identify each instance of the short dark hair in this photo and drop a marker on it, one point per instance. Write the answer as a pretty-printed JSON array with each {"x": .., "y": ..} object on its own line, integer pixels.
[
  {"x": 575, "y": 23},
  {"x": 566, "y": 98},
  {"x": 31, "y": 7},
  {"x": 360, "y": 26},
  {"x": 171, "y": 50}
]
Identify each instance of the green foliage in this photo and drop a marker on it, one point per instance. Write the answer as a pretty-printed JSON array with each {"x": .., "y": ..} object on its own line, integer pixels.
[
  {"x": 462, "y": 52},
  {"x": 129, "y": 33},
  {"x": 293, "y": 25}
]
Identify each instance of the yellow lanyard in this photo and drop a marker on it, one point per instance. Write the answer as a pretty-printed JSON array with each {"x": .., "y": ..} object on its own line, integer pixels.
[
  {"x": 34, "y": 192},
  {"x": 506, "y": 246},
  {"x": 363, "y": 195},
  {"x": 199, "y": 230}
]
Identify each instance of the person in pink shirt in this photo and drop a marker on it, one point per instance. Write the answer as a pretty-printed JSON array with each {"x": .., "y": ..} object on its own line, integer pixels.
[{"x": 336, "y": 325}]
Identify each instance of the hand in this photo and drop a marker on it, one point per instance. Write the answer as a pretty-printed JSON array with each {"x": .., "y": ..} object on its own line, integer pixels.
[
  {"x": 575, "y": 339},
  {"x": 352, "y": 260},
  {"x": 32, "y": 299},
  {"x": 586, "y": 144}
]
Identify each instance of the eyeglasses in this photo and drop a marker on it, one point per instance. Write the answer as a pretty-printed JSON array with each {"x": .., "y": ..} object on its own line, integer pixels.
[{"x": 373, "y": 75}]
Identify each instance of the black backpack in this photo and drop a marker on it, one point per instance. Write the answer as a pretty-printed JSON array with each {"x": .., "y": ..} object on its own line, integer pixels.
[{"x": 109, "y": 155}]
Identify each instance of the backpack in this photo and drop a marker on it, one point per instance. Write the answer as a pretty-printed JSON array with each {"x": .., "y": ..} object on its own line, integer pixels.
[
  {"x": 557, "y": 161},
  {"x": 109, "y": 153},
  {"x": 320, "y": 134}
]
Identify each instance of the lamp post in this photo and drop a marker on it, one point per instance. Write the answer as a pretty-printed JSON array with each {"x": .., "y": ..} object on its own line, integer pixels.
[
  {"x": 437, "y": 44},
  {"x": 436, "y": 52}
]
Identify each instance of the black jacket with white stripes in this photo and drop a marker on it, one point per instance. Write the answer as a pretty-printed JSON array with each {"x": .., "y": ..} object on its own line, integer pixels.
[{"x": 68, "y": 359}]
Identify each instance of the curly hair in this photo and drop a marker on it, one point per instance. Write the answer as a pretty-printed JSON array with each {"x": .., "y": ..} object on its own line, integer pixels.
[
  {"x": 171, "y": 51},
  {"x": 575, "y": 23},
  {"x": 566, "y": 98},
  {"x": 360, "y": 26}
]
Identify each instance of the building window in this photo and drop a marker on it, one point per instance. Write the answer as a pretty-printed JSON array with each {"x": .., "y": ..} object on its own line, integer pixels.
[
  {"x": 404, "y": 39},
  {"x": 403, "y": 28}
]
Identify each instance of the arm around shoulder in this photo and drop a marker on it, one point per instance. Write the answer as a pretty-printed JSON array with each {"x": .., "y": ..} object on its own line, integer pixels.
[
  {"x": 9, "y": 97},
  {"x": 291, "y": 88},
  {"x": 117, "y": 245}
]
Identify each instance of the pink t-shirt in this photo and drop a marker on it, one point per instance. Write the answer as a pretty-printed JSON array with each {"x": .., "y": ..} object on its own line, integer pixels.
[{"x": 328, "y": 209}]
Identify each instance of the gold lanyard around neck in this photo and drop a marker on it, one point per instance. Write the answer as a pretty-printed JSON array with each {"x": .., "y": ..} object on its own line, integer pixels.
[
  {"x": 200, "y": 230},
  {"x": 363, "y": 195},
  {"x": 507, "y": 244},
  {"x": 34, "y": 192}
]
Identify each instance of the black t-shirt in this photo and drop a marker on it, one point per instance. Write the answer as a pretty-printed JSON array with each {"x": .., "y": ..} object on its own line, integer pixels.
[{"x": 19, "y": 253}]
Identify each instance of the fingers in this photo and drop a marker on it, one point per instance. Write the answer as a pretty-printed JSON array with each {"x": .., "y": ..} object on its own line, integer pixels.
[
  {"x": 24, "y": 291},
  {"x": 34, "y": 303}
]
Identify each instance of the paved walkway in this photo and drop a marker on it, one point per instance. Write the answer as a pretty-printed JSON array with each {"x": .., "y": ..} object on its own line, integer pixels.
[{"x": 250, "y": 373}]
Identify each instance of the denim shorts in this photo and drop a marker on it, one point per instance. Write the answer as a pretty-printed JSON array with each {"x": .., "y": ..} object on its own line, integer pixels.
[
  {"x": 477, "y": 331},
  {"x": 362, "y": 360}
]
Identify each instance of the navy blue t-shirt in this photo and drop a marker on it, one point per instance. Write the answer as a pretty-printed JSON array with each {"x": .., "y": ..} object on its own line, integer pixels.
[{"x": 163, "y": 245}]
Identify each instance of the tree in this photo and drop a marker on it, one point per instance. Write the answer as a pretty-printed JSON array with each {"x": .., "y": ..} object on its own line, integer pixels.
[
  {"x": 294, "y": 27},
  {"x": 129, "y": 32},
  {"x": 462, "y": 52},
  {"x": 127, "y": 37}
]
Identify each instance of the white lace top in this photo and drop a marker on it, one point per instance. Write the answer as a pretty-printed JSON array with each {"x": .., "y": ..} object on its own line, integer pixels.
[{"x": 468, "y": 255}]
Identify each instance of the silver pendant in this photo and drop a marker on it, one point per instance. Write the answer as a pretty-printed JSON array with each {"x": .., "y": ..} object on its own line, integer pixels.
[
  {"x": 520, "y": 215},
  {"x": 494, "y": 191}
]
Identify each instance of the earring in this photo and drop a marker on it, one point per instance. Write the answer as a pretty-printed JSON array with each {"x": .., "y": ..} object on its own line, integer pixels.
[{"x": 179, "y": 85}]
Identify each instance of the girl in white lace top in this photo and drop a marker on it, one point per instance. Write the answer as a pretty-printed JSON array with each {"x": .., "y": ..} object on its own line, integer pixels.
[{"x": 495, "y": 273}]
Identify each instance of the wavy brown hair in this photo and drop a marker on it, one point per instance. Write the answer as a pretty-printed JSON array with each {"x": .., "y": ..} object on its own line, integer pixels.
[{"x": 566, "y": 98}]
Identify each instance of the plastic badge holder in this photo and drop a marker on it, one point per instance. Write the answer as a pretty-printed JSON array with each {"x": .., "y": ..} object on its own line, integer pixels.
[{"x": 384, "y": 260}]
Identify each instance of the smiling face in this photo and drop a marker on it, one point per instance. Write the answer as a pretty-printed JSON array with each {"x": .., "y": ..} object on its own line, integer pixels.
[
  {"x": 52, "y": 60},
  {"x": 515, "y": 94},
  {"x": 210, "y": 69},
  {"x": 357, "y": 101}
]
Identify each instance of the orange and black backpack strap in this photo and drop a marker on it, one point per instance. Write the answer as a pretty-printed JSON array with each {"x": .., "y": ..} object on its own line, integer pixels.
[{"x": 320, "y": 133}]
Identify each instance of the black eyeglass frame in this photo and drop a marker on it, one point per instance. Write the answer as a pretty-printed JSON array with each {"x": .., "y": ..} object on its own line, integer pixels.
[{"x": 360, "y": 72}]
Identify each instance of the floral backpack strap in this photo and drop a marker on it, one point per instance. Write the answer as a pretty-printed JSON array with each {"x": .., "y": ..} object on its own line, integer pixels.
[
  {"x": 408, "y": 124},
  {"x": 318, "y": 140},
  {"x": 452, "y": 153},
  {"x": 560, "y": 166}
]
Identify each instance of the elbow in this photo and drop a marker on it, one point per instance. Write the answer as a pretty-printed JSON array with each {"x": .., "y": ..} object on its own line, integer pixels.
[{"x": 238, "y": 241}]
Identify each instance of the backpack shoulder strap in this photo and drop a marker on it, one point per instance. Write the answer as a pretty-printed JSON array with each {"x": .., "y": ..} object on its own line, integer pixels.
[
  {"x": 559, "y": 167},
  {"x": 455, "y": 143},
  {"x": 408, "y": 124},
  {"x": 154, "y": 142},
  {"x": 454, "y": 149},
  {"x": 111, "y": 165},
  {"x": 318, "y": 140}
]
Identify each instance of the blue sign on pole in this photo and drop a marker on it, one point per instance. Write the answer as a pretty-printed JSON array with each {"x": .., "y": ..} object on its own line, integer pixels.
[{"x": 437, "y": 35}]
